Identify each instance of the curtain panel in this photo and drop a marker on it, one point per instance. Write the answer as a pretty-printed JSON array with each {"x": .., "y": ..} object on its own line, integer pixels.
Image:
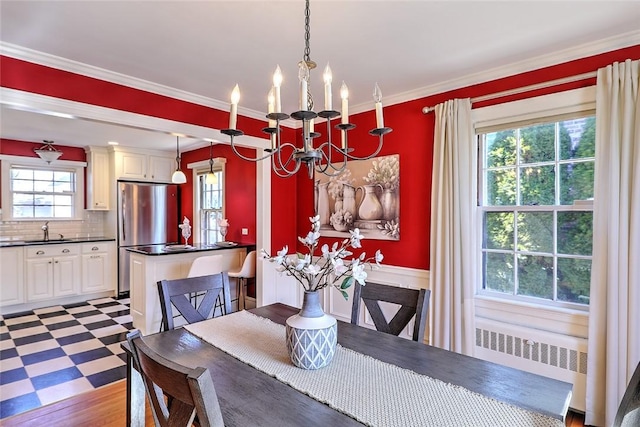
[
  {"x": 453, "y": 249},
  {"x": 614, "y": 312}
]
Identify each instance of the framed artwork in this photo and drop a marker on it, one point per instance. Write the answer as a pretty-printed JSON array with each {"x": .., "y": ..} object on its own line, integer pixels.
[{"x": 365, "y": 195}]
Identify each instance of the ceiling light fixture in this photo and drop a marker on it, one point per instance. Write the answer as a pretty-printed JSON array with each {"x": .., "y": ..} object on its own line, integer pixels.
[
  {"x": 178, "y": 176},
  {"x": 48, "y": 152},
  {"x": 286, "y": 158},
  {"x": 212, "y": 178}
]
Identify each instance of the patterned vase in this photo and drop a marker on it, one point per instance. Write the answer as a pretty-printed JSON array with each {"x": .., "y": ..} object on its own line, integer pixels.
[{"x": 312, "y": 335}]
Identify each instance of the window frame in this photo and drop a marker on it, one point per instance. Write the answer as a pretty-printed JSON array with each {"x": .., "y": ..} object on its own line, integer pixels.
[
  {"x": 554, "y": 107},
  {"x": 198, "y": 169},
  {"x": 8, "y": 162}
]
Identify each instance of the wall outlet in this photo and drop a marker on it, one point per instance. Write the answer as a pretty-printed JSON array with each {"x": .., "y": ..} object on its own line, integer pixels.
[{"x": 245, "y": 231}]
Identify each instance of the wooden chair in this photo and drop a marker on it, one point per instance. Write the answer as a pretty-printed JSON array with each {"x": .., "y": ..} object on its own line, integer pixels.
[
  {"x": 629, "y": 409},
  {"x": 176, "y": 294},
  {"x": 412, "y": 302},
  {"x": 179, "y": 396}
]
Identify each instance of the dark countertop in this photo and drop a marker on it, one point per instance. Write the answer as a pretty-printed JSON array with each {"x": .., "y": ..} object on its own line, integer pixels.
[
  {"x": 11, "y": 243},
  {"x": 180, "y": 249}
]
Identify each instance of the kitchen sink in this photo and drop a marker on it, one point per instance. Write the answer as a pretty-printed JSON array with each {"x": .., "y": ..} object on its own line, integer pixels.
[{"x": 47, "y": 241}]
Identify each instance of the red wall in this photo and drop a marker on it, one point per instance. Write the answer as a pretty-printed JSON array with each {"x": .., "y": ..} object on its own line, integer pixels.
[{"x": 292, "y": 199}]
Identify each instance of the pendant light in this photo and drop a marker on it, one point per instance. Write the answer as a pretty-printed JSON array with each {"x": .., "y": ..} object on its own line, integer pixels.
[
  {"x": 178, "y": 176},
  {"x": 212, "y": 178},
  {"x": 48, "y": 152}
]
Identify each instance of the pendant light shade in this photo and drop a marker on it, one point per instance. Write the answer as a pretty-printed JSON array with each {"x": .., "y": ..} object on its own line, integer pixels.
[
  {"x": 48, "y": 152},
  {"x": 178, "y": 176},
  {"x": 211, "y": 178}
]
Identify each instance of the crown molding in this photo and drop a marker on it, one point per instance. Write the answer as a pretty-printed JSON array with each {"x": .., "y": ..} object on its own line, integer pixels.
[
  {"x": 553, "y": 58},
  {"x": 542, "y": 61}
]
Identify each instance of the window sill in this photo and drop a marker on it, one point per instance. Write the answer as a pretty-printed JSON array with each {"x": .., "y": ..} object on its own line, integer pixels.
[{"x": 552, "y": 319}]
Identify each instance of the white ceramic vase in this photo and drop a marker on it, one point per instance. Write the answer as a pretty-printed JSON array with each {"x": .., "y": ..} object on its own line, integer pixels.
[{"x": 312, "y": 335}]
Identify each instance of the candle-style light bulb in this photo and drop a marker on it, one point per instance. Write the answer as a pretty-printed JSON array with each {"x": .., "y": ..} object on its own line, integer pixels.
[
  {"x": 303, "y": 76},
  {"x": 271, "y": 105},
  {"x": 344, "y": 94},
  {"x": 277, "y": 81},
  {"x": 377, "y": 98},
  {"x": 235, "y": 98},
  {"x": 327, "y": 77}
]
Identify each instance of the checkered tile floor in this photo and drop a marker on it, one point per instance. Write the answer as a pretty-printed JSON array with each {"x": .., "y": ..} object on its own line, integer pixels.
[{"x": 50, "y": 354}]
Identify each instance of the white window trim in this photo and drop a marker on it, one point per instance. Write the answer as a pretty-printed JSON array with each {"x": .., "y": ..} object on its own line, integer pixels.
[
  {"x": 219, "y": 164},
  {"x": 7, "y": 203},
  {"x": 550, "y": 318}
]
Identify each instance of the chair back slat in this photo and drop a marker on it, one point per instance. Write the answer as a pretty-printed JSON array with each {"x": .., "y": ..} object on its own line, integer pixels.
[
  {"x": 193, "y": 298},
  {"x": 178, "y": 395},
  {"x": 412, "y": 302}
]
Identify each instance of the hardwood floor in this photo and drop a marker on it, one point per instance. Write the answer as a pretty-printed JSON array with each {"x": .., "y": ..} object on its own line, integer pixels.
[{"x": 105, "y": 406}]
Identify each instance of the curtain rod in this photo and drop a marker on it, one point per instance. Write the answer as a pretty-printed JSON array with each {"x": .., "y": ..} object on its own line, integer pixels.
[{"x": 523, "y": 89}]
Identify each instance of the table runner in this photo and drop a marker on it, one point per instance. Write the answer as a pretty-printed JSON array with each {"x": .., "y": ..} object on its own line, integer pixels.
[{"x": 373, "y": 392}]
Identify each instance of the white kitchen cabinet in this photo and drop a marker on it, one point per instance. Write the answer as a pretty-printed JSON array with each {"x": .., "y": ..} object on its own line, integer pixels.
[
  {"x": 12, "y": 270},
  {"x": 98, "y": 267},
  {"x": 143, "y": 166},
  {"x": 52, "y": 271},
  {"x": 98, "y": 179}
]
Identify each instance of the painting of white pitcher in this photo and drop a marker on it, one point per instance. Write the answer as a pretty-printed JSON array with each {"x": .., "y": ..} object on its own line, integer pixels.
[{"x": 365, "y": 195}]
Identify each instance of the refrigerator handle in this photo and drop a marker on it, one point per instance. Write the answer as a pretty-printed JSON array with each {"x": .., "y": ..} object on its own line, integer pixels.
[{"x": 124, "y": 237}]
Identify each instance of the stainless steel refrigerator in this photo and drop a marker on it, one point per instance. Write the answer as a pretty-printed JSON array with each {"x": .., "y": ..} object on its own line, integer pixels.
[{"x": 148, "y": 214}]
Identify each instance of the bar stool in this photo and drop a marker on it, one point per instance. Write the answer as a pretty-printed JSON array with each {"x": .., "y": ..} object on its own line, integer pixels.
[
  {"x": 247, "y": 271},
  {"x": 205, "y": 266}
]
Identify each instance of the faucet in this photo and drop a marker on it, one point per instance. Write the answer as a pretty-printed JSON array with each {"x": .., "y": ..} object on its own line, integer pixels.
[{"x": 45, "y": 228}]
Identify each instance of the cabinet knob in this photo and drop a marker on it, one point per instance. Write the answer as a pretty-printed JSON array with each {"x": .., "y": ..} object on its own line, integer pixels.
[
  {"x": 95, "y": 248},
  {"x": 65, "y": 251},
  {"x": 50, "y": 262},
  {"x": 40, "y": 253},
  {"x": 56, "y": 261}
]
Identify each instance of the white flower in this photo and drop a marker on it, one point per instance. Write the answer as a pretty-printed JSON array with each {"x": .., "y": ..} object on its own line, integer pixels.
[
  {"x": 223, "y": 222},
  {"x": 329, "y": 269},
  {"x": 356, "y": 237},
  {"x": 358, "y": 272}
]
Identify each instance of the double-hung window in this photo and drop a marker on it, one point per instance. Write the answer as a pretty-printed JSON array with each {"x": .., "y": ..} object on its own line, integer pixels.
[
  {"x": 209, "y": 200},
  {"x": 35, "y": 192},
  {"x": 536, "y": 197}
]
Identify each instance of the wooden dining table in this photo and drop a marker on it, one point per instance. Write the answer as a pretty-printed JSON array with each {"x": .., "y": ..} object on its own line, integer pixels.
[{"x": 249, "y": 397}]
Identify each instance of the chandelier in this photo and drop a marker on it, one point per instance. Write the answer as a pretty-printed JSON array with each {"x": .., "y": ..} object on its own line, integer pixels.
[{"x": 327, "y": 158}]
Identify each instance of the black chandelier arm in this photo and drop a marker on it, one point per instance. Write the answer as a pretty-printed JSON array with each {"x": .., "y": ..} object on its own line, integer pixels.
[
  {"x": 235, "y": 150},
  {"x": 374, "y": 154},
  {"x": 281, "y": 169}
]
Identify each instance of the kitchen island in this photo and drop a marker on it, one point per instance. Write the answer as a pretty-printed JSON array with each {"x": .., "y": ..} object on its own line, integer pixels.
[{"x": 150, "y": 264}]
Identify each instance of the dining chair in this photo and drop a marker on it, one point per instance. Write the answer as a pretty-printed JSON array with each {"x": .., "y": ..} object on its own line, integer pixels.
[
  {"x": 247, "y": 271},
  {"x": 413, "y": 302},
  {"x": 179, "y": 396},
  {"x": 175, "y": 294},
  {"x": 628, "y": 413}
]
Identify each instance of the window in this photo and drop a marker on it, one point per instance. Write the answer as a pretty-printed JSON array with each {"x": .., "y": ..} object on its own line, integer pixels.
[
  {"x": 42, "y": 192},
  {"x": 211, "y": 203},
  {"x": 536, "y": 186}
]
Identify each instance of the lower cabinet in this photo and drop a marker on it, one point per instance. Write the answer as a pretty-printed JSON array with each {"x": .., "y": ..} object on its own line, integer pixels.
[
  {"x": 97, "y": 267},
  {"x": 52, "y": 271},
  {"x": 33, "y": 275},
  {"x": 12, "y": 270}
]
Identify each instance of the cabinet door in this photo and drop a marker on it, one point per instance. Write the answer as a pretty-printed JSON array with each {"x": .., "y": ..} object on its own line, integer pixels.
[
  {"x": 98, "y": 178},
  {"x": 66, "y": 275},
  {"x": 161, "y": 168},
  {"x": 134, "y": 165},
  {"x": 96, "y": 273},
  {"x": 39, "y": 279},
  {"x": 12, "y": 283}
]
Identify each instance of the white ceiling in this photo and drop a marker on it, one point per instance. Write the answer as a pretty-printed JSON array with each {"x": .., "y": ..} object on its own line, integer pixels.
[{"x": 201, "y": 49}]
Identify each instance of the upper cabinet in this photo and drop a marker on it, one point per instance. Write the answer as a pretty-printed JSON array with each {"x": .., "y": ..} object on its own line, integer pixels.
[
  {"x": 141, "y": 166},
  {"x": 98, "y": 178}
]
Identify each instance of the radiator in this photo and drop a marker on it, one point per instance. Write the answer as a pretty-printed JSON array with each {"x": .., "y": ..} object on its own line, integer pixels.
[{"x": 553, "y": 355}]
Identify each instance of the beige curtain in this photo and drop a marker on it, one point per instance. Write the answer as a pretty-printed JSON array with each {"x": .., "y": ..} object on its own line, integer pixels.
[
  {"x": 453, "y": 251},
  {"x": 614, "y": 312}
]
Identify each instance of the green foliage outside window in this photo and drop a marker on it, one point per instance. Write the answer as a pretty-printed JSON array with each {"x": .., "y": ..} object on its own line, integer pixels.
[{"x": 537, "y": 183}]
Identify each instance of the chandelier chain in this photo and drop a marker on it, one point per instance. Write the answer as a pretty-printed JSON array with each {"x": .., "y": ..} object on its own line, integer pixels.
[{"x": 307, "y": 50}]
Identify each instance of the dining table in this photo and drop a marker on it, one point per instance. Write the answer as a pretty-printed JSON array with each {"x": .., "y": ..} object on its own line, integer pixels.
[{"x": 253, "y": 395}]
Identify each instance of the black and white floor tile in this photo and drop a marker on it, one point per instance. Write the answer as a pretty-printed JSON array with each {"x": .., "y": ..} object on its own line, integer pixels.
[{"x": 53, "y": 353}]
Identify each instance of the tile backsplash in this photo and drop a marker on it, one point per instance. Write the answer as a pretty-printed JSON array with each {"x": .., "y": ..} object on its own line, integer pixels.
[{"x": 93, "y": 224}]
